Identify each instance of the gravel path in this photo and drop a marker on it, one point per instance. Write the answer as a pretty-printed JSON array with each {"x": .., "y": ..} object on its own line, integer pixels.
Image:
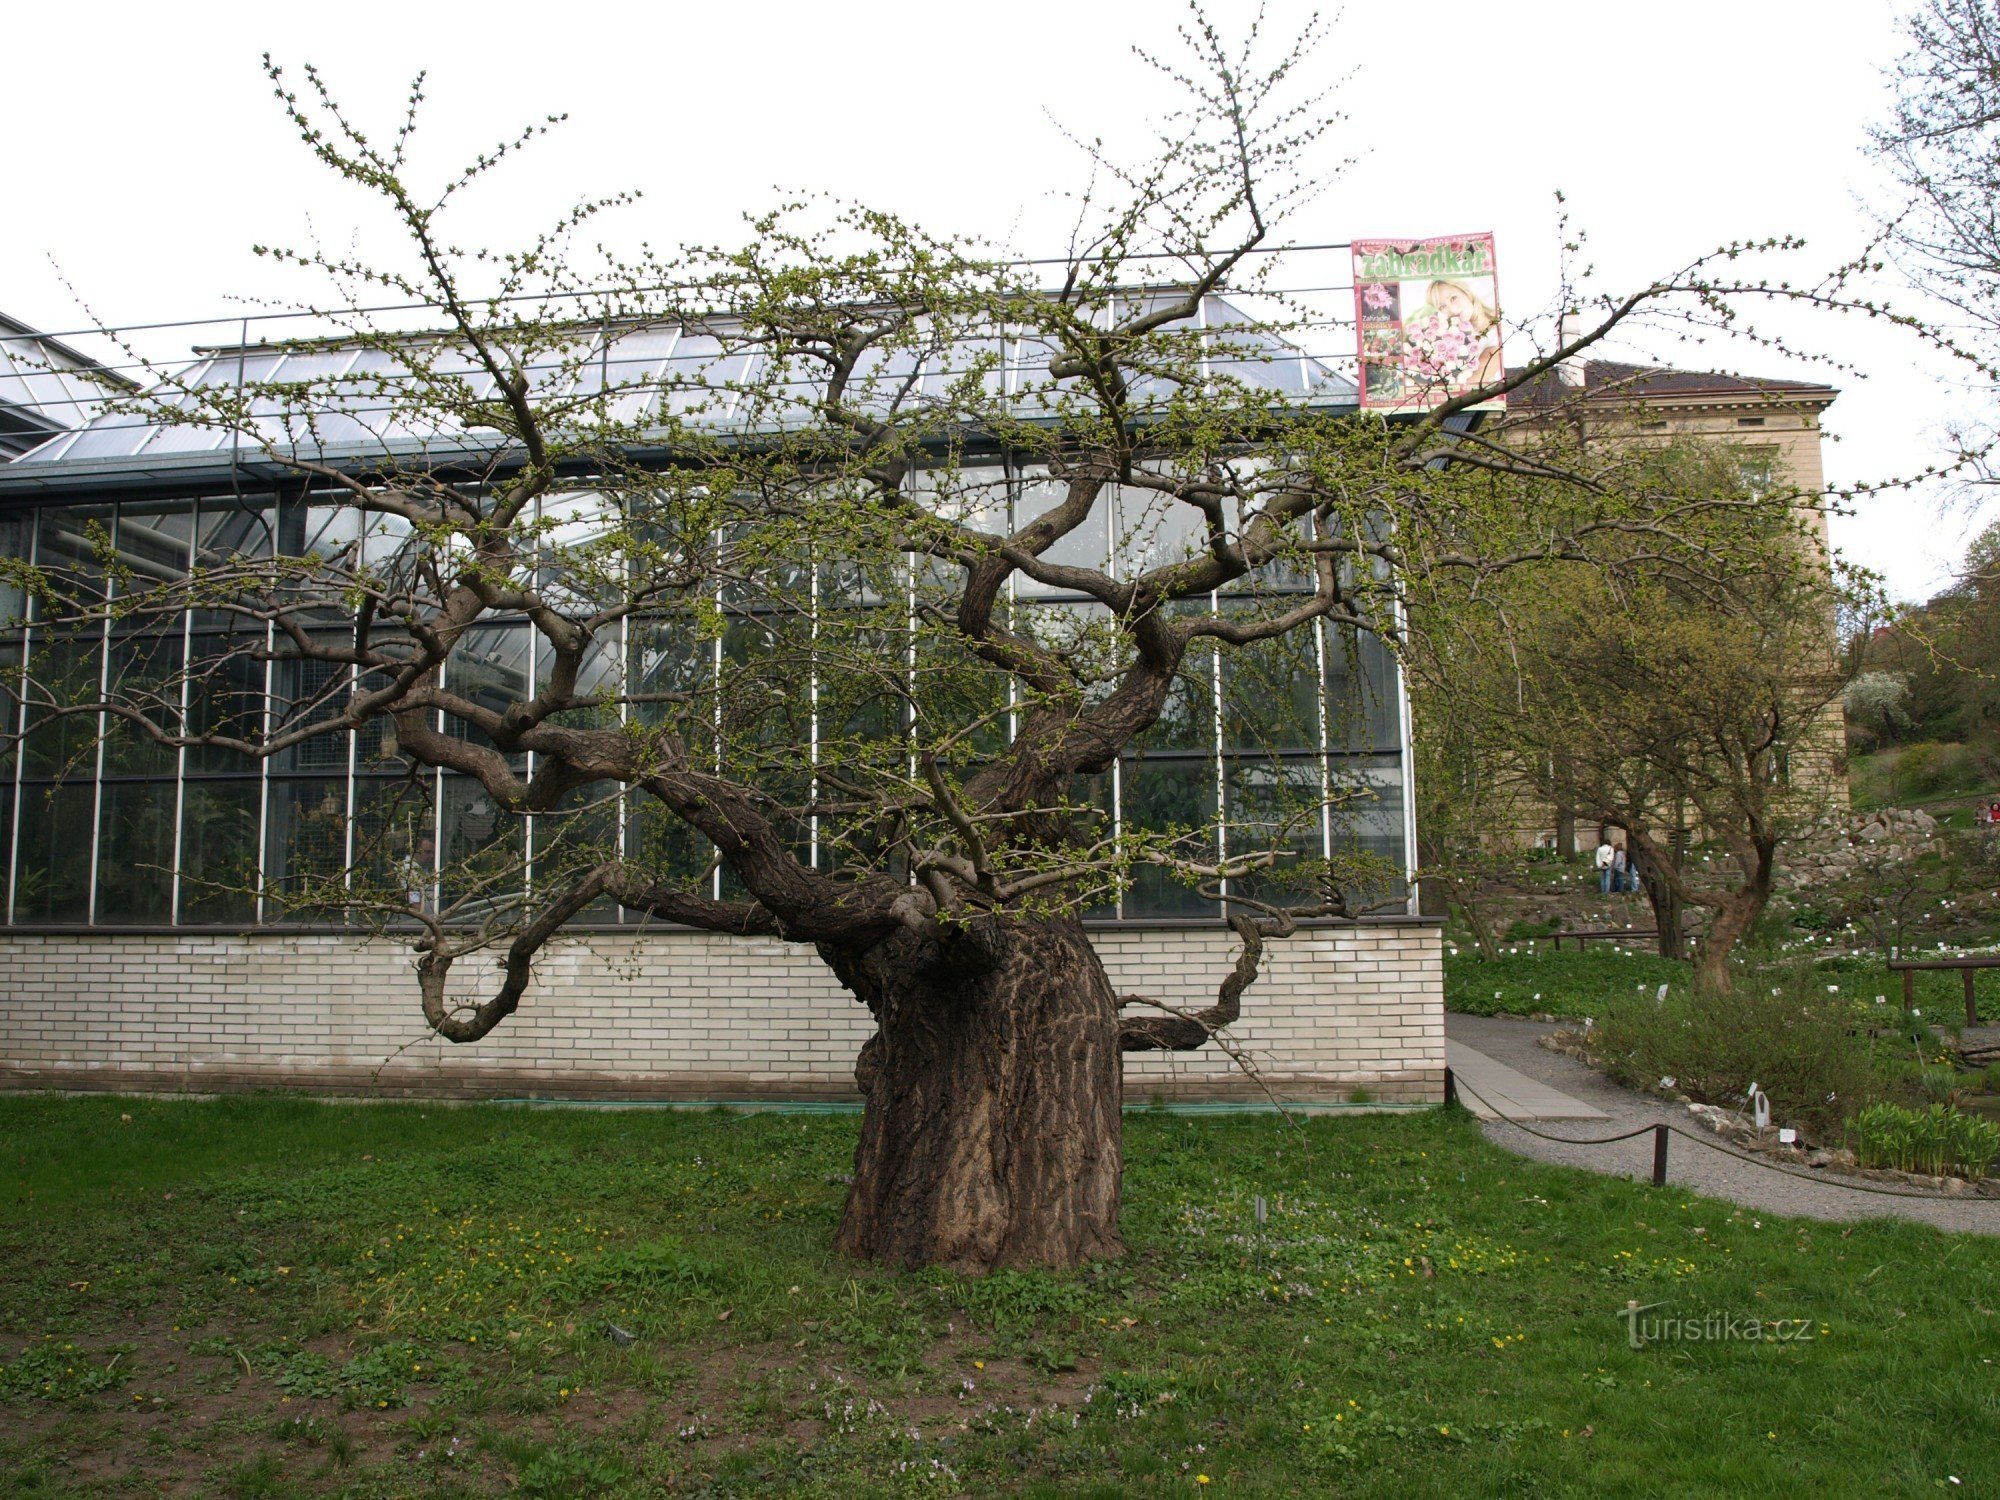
[{"x": 1696, "y": 1167}]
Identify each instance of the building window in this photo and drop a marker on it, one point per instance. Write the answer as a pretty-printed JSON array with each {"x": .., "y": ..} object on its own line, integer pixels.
[{"x": 1297, "y": 740}]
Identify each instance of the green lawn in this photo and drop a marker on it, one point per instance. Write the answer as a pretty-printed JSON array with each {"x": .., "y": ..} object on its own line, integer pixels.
[
  {"x": 1531, "y": 978},
  {"x": 272, "y": 1297}
]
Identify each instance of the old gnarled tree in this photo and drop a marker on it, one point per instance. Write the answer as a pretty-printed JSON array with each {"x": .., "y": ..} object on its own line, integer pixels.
[{"x": 843, "y": 564}]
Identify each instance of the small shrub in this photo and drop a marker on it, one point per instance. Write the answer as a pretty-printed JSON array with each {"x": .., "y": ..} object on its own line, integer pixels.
[
  {"x": 1936, "y": 1142},
  {"x": 1927, "y": 769},
  {"x": 1798, "y": 1044}
]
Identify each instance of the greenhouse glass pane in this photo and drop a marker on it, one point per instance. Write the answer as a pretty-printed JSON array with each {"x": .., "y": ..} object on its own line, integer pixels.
[
  {"x": 135, "y": 853},
  {"x": 305, "y": 858},
  {"x": 1364, "y": 709},
  {"x": 1088, "y": 545},
  {"x": 483, "y": 853},
  {"x": 145, "y": 672},
  {"x": 1174, "y": 800},
  {"x": 52, "y": 871},
  {"x": 219, "y": 851}
]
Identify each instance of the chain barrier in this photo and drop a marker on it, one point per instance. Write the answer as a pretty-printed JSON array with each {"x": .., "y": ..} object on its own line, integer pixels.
[{"x": 1455, "y": 1085}]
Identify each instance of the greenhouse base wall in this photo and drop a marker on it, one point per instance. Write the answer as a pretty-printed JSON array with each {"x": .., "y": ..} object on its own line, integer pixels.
[{"x": 663, "y": 1016}]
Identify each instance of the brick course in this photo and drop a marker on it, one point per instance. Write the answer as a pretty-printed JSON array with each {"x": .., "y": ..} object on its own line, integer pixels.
[{"x": 661, "y": 1015}]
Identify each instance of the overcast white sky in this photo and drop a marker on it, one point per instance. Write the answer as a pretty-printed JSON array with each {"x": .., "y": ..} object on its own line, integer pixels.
[{"x": 145, "y": 154}]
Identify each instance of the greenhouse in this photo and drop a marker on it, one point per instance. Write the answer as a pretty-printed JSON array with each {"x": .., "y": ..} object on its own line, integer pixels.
[{"x": 106, "y": 831}]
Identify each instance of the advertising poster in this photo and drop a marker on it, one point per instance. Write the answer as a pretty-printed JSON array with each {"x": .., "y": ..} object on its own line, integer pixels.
[{"x": 1427, "y": 320}]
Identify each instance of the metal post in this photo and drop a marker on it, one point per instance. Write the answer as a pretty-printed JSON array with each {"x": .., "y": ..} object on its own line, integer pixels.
[{"x": 1660, "y": 1155}]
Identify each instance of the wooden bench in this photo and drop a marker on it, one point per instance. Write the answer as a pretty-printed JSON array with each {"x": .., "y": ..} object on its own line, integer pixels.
[{"x": 1600, "y": 934}]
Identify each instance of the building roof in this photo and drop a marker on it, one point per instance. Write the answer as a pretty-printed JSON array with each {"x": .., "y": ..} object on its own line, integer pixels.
[
  {"x": 1612, "y": 380},
  {"x": 652, "y": 376},
  {"x": 41, "y": 390}
]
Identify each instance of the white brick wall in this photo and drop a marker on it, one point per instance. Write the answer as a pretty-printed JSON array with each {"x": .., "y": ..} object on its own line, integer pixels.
[{"x": 660, "y": 1015}]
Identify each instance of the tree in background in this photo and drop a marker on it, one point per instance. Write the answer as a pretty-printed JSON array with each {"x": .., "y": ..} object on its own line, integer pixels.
[
  {"x": 1660, "y": 700},
  {"x": 1941, "y": 141},
  {"x": 1944, "y": 656}
]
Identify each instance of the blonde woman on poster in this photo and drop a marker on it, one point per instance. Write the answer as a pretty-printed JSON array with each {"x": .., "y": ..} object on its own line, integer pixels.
[{"x": 1453, "y": 340}]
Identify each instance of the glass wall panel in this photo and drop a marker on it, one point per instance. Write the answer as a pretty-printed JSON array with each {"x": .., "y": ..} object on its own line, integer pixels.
[
  {"x": 1088, "y": 546},
  {"x": 10, "y": 659},
  {"x": 1368, "y": 818},
  {"x": 1270, "y": 698},
  {"x": 600, "y": 678},
  {"x": 52, "y": 874},
  {"x": 568, "y": 843},
  {"x": 135, "y": 853},
  {"x": 233, "y": 535},
  {"x": 305, "y": 850},
  {"x": 975, "y": 497},
  {"x": 766, "y": 718},
  {"x": 1276, "y": 804},
  {"x": 1152, "y": 530},
  {"x": 63, "y": 671},
  {"x": 1175, "y": 799},
  {"x": 1084, "y": 637},
  {"x": 395, "y": 840},
  {"x": 379, "y": 749},
  {"x": 581, "y": 563},
  {"x": 225, "y": 696},
  {"x": 1363, "y": 704},
  {"x": 483, "y": 853},
  {"x": 219, "y": 851},
  {"x": 667, "y": 849},
  {"x": 70, "y": 544},
  {"x": 16, "y": 540},
  {"x": 146, "y": 675},
  {"x": 153, "y": 541},
  {"x": 489, "y": 668},
  {"x": 306, "y": 691},
  {"x": 319, "y": 526}
]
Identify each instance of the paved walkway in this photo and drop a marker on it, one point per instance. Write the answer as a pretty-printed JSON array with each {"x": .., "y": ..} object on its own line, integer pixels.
[
  {"x": 1495, "y": 1090},
  {"x": 1504, "y": 1050}
]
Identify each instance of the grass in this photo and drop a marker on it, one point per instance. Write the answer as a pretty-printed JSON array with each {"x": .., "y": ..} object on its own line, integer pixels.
[
  {"x": 1912, "y": 775},
  {"x": 1532, "y": 979},
  {"x": 269, "y": 1297}
]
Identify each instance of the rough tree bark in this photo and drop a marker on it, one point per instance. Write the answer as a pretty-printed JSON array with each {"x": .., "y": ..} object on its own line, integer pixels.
[
  {"x": 1734, "y": 916},
  {"x": 992, "y": 1132}
]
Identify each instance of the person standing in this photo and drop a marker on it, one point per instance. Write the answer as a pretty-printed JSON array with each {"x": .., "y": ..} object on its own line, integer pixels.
[{"x": 1605, "y": 854}]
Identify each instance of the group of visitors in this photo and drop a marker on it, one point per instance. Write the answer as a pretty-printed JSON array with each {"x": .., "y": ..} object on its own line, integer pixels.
[{"x": 1616, "y": 869}]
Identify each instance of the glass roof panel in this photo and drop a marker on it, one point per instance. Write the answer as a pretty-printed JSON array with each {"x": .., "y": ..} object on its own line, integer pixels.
[{"x": 368, "y": 396}]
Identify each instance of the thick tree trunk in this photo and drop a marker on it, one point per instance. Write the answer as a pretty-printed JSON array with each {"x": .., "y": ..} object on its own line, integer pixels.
[
  {"x": 992, "y": 1133},
  {"x": 1669, "y": 916},
  {"x": 1663, "y": 894},
  {"x": 1735, "y": 917}
]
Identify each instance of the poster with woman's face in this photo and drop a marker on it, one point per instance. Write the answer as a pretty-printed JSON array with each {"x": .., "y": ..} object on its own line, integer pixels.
[{"x": 1427, "y": 320}]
